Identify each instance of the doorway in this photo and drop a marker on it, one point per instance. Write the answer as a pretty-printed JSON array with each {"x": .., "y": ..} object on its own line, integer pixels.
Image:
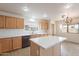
[{"x": 52, "y": 29}]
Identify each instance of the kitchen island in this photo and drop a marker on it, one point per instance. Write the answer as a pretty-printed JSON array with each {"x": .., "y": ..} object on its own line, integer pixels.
[{"x": 42, "y": 45}]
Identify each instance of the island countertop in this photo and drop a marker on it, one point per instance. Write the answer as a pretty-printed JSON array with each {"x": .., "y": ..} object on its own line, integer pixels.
[{"x": 48, "y": 41}]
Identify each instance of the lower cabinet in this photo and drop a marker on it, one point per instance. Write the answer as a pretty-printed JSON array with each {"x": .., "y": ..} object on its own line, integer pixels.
[
  {"x": 5, "y": 45},
  {"x": 17, "y": 42},
  {"x": 8, "y": 44}
]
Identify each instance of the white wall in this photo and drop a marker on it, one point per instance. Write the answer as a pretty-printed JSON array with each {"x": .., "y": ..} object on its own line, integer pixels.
[
  {"x": 10, "y": 14},
  {"x": 70, "y": 36},
  {"x": 50, "y": 27}
]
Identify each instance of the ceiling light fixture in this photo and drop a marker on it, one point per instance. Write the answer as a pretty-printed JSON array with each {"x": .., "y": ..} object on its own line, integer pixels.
[
  {"x": 45, "y": 15},
  {"x": 67, "y": 20},
  {"x": 68, "y": 6},
  {"x": 32, "y": 20},
  {"x": 25, "y": 9}
]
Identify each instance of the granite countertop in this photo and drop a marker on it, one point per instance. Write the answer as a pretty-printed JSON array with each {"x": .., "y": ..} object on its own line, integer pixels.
[
  {"x": 47, "y": 42},
  {"x": 13, "y": 33}
]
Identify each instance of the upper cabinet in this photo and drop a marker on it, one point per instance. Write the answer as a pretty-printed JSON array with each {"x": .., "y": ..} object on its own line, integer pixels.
[
  {"x": 20, "y": 23},
  {"x": 8, "y": 22},
  {"x": 2, "y": 22},
  {"x": 44, "y": 24}
]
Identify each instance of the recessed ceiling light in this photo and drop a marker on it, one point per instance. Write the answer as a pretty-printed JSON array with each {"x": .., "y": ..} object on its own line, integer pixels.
[
  {"x": 68, "y": 6},
  {"x": 33, "y": 20},
  {"x": 25, "y": 9},
  {"x": 45, "y": 15}
]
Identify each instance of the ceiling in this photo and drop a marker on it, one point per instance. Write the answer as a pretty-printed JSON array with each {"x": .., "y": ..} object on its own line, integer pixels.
[{"x": 52, "y": 10}]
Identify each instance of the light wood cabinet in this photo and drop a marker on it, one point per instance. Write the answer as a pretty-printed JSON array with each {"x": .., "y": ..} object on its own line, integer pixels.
[
  {"x": 34, "y": 49},
  {"x": 5, "y": 45},
  {"x": 20, "y": 23},
  {"x": 9, "y": 44},
  {"x": 10, "y": 22},
  {"x": 44, "y": 24},
  {"x": 17, "y": 42},
  {"x": 2, "y": 22}
]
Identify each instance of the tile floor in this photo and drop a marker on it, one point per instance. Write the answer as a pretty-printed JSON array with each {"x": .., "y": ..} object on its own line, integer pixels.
[
  {"x": 19, "y": 52},
  {"x": 67, "y": 49}
]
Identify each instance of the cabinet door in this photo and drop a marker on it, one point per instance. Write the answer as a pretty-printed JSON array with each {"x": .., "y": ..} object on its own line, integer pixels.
[
  {"x": 5, "y": 45},
  {"x": 17, "y": 42},
  {"x": 0, "y": 47},
  {"x": 10, "y": 22},
  {"x": 2, "y": 22},
  {"x": 20, "y": 23},
  {"x": 44, "y": 24}
]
